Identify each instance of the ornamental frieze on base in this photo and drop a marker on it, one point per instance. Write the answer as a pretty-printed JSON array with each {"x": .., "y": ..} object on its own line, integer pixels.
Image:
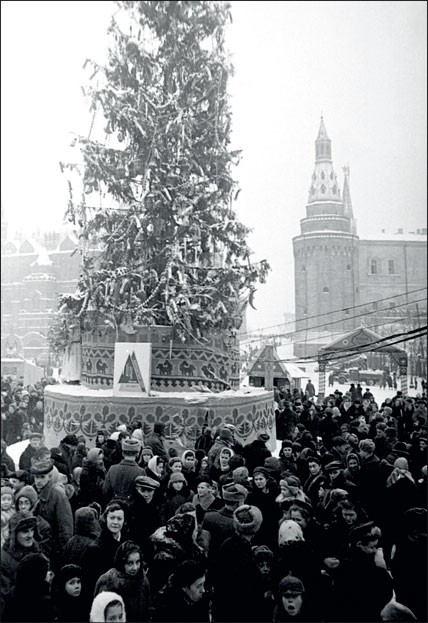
[{"x": 82, "y": 411}]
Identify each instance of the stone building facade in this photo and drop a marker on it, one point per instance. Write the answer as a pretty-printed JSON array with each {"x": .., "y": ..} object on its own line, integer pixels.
[
  {"x": 340, "y": 277},
  {"x": 34, "y": 272}
]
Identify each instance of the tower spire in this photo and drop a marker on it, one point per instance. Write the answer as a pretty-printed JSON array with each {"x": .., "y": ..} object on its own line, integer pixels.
[
  {"x": 346, "y": 197},
  {"x": 322, "y": 144}
]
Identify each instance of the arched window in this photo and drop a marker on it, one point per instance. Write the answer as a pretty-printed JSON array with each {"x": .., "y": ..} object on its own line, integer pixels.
[
  {"x": 391, "y": 267},
  {"x": 325, "y": 289},
  {"x": 374, "y": 266}
]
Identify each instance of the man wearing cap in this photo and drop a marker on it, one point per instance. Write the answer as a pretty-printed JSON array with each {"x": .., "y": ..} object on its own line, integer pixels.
[
  {"x": 53, "y": 502},
  {"x": 21, "y": 542},
  {"x": 290, "y": 605},
  {"x": 145, "y": 515},
  {"x": 219, "y": 523},
  {"x": 36, "y": 442},
  {"x": 120, "y": 479},
  {"x": 256, "y": 452}
]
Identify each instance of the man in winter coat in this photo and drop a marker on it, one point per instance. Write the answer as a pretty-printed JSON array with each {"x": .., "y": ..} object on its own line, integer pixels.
[
  {"x": 120, "y": 479},
  {"x": 256, "y": 452},
  {"x": 53, "y": 504},
  {"x": 156, "y": 442},
  {"x": 92, "y": 477},
  {"x": 224, "y": 440},
  {"x": 238, "y": 593},
  {"x": 219, "y": 523},
  {"x": 36, "y": 442},
  {"x": 67, "y": 448},
  {"x": 86, "y": 529},
  {"x": 145, "y": 516},
  {"x": 20, "y": 543}
]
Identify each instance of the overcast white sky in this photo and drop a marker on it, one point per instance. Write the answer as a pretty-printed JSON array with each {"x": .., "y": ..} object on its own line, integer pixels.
[{"x": 362, "y": 64}]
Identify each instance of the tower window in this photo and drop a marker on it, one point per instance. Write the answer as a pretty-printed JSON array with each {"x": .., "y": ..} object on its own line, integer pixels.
[
  {"x": 331, "y": 175},
  {"x": 375, "y": 306},
  {"x": 303, "y": 269},
  {"x": 325, "y": 289},
  {"x": 334, "y": 189},
  {"x": 323, "y": 189},
  {"x": 373, "y": 267},
  {"x": 305, "y": 311},
  {"x": 391, "y": 267},
  {"x": 392, "y": 304},
  {"x": 322, "y": 175},
  {"x": 348, "y": 266},
  {"x": 347, "y": 312}
]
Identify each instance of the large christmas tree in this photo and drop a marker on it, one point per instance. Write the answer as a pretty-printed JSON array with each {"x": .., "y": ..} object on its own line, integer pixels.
[{"x": 159, "y": 239}]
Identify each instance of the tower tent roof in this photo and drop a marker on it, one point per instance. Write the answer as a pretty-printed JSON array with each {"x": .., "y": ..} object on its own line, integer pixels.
[{"x": 322, "y": 131}]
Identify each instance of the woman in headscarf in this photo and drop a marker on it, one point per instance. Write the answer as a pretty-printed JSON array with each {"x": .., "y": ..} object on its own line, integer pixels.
[{"x": 127, "y": 578}]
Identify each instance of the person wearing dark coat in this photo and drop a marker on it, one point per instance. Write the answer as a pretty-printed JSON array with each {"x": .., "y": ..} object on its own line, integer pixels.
[
  {"x": 6, "y": 459},
  {"x": 98, "y": 556},
  {"x": 67, "y": 447},
  {"x": 156, "y": 442},
  {"x": 183, "y": 599},
  {"x": 86, "y": 529},
  {"x": 127, "y": 578},
  {"x": 177, "y": 494},
  {"x": 20, "y": 542},
  {"x": 363, "y": 586},
  {"x": 238, "y": 592},
  {"x": 30, "y": 599},
  {"x": 264, "y": 494},
  {"x": 119, "y": 482},
  {"x": 92, "y": 477},
  {"x": 256, "y": 452},
  {"x": 36, "y": 442},
  {"x": 286, "y": 421},
  {"x": 371, "y": 482},
  {"x": 66, "y": 594},
  {"x": 27, "y": 501},
  {"x": 145, "y": 512},
  {"x": 291, "y": 603},
  {"x": 112, "y": 452},
  {"x": 205, "y": 440},
  {"x": 59, "y": 462}
]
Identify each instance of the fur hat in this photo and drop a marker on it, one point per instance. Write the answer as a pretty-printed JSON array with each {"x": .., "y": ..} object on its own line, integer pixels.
[
  {"x": 175, "y": 459},
  {"x": 66, "y": 573},
  {"x": 247, "y": 519},
  {"x": 226, "y": 435},
  {"x": 291, "y": 585},
  {"x": 144, "y": 482},
  {"x": 177, "y": 477},
  {"x": 263, "y": 437},
  {"x": 70, "y": 440},
  {"x": 42, "y": 465},
  {"x": 86, "y": 522},
  {"x": 289, "y": 530},
  {"x": 180, "y": 528},
  {"x": 272, "y": 464},
  {"x": 234, "y": 493},
  {"x": 21, "y": 521},
  {"x": 290, "y": 481},
  {"x": 334, "y": 465},
  {"x": 29, "y": 492},
  {"x": 240, "y": 473},
  {"x": 94, "y": 454},
  {"x": 262, "y": 553},
  {"x": 131, "y": 445},
  {"x": 147, "y": 451}
]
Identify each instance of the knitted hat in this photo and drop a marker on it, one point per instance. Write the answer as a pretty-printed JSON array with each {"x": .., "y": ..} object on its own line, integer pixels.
[
  {"x": 240, "y": 473},
  {"x": 131, "y": 445},
  {"x": 263, "y": 437},
  {"x": 6, "y": 487},
  {"x": 261, "y": 470},
  {"x": 177, "y": 477},
  {"x": 226, "y": 435},
  {"x": 94, "y": 454},
  {"x": 148, "y": 451},
  {"x": 247, "y": 519},
  {"x": 175, "y": 459},
  {"x": 144, "y": 482},
  {"x": 234, "y": 492},
  {"x": 272, "y": 464},
  {"x": 40, "y": 466},
  {"x": 291, "y": 585},
  {"x": 66, "y": 573},
  {"x": 28, "y": 492},
  {"x": 289, "y": 530}
]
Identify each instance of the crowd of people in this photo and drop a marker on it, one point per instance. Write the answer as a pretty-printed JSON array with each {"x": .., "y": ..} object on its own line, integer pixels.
[{"x": 333, "y": 529}]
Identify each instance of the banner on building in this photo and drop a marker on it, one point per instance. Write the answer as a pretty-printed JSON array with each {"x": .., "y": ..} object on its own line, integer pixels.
[{"x": 132, "y": 369}]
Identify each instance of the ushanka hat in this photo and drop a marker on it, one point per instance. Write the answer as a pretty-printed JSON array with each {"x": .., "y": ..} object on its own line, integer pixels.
[
  {"x": 247, "y": 519},
  {"x": 177, "y": 477},
  {"x": 28, "y": 492},
  {"x": 42, "y": 465},
  {"x": 22, "y": 521},
  {"x": 131, "y": 445},
  {"x": 234, "y": 492},
  {"x": 261, "y": 470}
]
